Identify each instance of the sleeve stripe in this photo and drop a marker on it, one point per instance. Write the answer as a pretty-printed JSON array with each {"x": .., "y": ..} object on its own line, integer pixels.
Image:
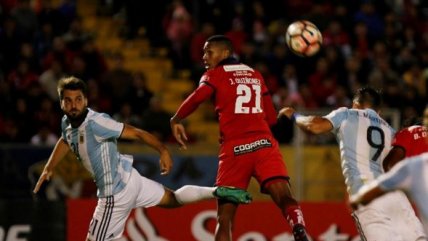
[{"x": 209, "y": 84}]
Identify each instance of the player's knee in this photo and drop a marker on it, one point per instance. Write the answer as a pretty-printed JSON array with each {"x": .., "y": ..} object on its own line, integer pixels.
[
  {"x": 280, "y": 193},
  {"x": 283, "y": 199},
  {"x": 169, "y": 200}
]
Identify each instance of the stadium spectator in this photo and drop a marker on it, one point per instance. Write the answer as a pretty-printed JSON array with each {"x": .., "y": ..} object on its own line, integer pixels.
[
  {"x": 126, "y": 115},
  {"x": 94, "y": 60},
  {"x": 117, "y": 82},
  {"x": 196, "y": 44},
  {"x": 10, "y": 43},
  {"x": 155, "y": 119},
  {"x": 22, "y": 77},
  {"x": 75, "y": 36},
  {"x": 26, "y": 20},
  {"x": 178, "y": 24},
  {"x": 50, "y": 16},
  {"x": 140, "y": 95},
  {"x": 44, "y": 137},
  {"x": 49, "y": 79},
  {"x": 59, "y": 52}
]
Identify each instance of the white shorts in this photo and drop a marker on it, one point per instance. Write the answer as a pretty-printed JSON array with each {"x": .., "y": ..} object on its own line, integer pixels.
[
  {"x": 111, "y": 213},
  {"x": 389, "y": 218}
]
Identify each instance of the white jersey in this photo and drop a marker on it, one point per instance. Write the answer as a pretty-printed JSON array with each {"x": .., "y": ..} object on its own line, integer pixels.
[
  {"x": 411, "y": 176},
  {"x": 364, "y": 140},
  {"x": 95, "y": 144}
]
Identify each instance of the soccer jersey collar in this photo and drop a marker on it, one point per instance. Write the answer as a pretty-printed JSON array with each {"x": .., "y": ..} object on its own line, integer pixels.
[{"x": 230, "y": 60}]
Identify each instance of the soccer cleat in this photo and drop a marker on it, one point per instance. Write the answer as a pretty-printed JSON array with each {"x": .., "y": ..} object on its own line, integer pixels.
[
  {"x": 299, "y": 233},
  {"x": 233, "y": 194}
]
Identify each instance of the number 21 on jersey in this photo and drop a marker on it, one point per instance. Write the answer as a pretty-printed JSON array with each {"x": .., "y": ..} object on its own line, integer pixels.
[{"x": 244, "y": 95}]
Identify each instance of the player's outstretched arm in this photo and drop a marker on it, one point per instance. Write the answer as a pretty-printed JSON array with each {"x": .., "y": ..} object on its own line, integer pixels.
[
  {"x": 395, "y": 155},
  {"x": 179, "y": 132},
  {"x": 60, "y": 150},
  {"x": 311, "y": 124},
  {"x": 189, "y": 105},
  {"x": 133, "y": 133}
]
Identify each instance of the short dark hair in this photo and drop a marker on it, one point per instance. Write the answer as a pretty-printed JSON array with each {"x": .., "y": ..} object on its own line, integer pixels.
[
  {"x": 369, "y": 97},
  {"x": 71, "y": 83},
  {"x": 221, "y": 39}
]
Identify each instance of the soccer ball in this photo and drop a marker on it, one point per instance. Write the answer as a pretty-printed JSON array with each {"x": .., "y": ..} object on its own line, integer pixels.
[{"x": 303, "y": 38}]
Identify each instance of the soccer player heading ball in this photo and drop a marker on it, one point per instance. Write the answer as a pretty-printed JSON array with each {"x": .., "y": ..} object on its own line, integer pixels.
[{"x": 247, "y": 147}]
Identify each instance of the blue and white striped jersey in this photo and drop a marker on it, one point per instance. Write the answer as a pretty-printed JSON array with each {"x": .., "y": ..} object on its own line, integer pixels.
[
  {"x": 411, "y": 176},
  {"x": 95, "y": 144},
  {"x": 364, "y": 140}
]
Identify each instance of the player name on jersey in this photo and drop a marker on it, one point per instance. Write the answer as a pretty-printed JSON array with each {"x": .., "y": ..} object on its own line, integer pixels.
[{"x": 246, "y": 80}]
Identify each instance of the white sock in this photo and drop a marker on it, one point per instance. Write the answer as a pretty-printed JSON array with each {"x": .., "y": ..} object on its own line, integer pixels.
[{"x": 191, "y": 193}]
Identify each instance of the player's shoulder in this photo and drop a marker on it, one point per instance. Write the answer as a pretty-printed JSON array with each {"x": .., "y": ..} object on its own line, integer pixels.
[
  {"x": 415, "y": 128},
  {"x": 405, "y": 130},
  {"x": 410, "y": 130},
  {"x": 94, "y": 116},
  {"x": 337, "y": 116},
  {"x": 211, "y": 74},
  {"x": 340, "y": 110}
]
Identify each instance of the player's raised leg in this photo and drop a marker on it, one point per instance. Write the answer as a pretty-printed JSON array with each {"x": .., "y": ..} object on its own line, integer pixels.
[{"x": 191, "y": 193}]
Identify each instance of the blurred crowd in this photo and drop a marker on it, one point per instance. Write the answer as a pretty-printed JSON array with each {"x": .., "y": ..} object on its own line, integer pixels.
[{"x": 379, "y": 43}]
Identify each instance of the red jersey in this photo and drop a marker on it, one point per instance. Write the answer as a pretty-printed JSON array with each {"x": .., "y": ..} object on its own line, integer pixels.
[
  {"x": 241, "y": 99},
  {"x": 412, "y": 139}
]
